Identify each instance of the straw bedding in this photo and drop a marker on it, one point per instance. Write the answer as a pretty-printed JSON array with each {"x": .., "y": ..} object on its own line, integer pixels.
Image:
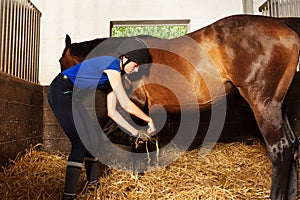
[{"x": 228, "y": 171}]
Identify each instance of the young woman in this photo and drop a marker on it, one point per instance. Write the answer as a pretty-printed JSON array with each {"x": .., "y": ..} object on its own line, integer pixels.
[{"x": 66, "y": 94}]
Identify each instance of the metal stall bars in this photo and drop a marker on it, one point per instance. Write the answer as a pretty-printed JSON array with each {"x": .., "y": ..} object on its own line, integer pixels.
[
  {"x": 20, "y": 39},
  {"x": 281, "y": 8}
]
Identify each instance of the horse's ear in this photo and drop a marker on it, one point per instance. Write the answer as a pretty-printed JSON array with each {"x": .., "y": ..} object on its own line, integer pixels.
[{"x": 68, "y": 40}]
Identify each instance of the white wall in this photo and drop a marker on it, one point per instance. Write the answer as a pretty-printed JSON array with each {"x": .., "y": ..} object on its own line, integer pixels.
[
  {"x": 257, "y": 4},
  {"x": 89, "y": 19}
]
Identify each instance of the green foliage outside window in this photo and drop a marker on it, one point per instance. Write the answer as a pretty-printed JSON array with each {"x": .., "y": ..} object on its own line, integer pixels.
[{"x": 166, "y": 32}]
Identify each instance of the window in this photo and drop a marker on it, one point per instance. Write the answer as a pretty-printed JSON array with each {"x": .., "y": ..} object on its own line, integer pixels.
[{"x": 159, "y": 28}]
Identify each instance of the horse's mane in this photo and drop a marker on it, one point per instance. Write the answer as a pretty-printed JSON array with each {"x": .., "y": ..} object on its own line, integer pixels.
[
  {"x": 91, "y": 49},
  {"x": 82, "y": 49}
]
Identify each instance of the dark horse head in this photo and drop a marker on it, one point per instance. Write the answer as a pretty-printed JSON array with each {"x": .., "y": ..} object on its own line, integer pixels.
[{"x": 77, "y": 52}]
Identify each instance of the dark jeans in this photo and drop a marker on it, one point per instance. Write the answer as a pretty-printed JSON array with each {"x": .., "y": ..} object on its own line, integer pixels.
[{"x": 74, "y": 119}]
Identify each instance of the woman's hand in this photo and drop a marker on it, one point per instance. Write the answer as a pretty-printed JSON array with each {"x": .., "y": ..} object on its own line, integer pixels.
[
  {"x": 151, "y": 130},
  {"x": 120, "y": 95}
]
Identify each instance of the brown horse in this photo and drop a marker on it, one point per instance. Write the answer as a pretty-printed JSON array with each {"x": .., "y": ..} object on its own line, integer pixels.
[{"x": 254, "y": 54}]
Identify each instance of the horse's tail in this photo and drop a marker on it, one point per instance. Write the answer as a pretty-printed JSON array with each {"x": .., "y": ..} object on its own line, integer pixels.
[{"x": 293, "y": 23}]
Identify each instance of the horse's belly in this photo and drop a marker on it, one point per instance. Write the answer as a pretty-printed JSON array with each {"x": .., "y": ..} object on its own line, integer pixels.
[
  {"x": 180, "y": 100},
  {"x": 176, "y": 93}
]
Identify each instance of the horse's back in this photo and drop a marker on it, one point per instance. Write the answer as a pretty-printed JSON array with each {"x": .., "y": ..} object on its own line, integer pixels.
[
  {"x": 238, "y": 51},
  {"x": 243, "y": 46}
]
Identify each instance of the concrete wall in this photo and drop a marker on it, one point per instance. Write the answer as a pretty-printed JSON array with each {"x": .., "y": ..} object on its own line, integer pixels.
[{"x": 21, "y": 116}]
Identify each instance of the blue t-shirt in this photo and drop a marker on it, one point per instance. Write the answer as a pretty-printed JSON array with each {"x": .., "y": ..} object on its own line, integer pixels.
[{"x": 89, "y": 73}]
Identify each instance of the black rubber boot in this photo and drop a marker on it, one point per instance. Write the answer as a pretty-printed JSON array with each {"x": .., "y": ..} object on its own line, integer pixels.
[
  {"x": 69, "y": 197},
  {"x": 91, "y": 167},
  {"x": 72, "y": 177}
]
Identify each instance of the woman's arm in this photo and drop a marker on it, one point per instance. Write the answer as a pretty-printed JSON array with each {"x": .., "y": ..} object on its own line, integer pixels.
[
  {"x": 116, "y": 116},
  {"x": 116, "y": 84}
]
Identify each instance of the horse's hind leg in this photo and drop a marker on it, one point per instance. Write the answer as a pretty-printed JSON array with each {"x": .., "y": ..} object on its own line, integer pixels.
[
  {"x": 293, "y": 176},
  {"x": 281, "y": 142},
  {"x": 284, "y": 158}
]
